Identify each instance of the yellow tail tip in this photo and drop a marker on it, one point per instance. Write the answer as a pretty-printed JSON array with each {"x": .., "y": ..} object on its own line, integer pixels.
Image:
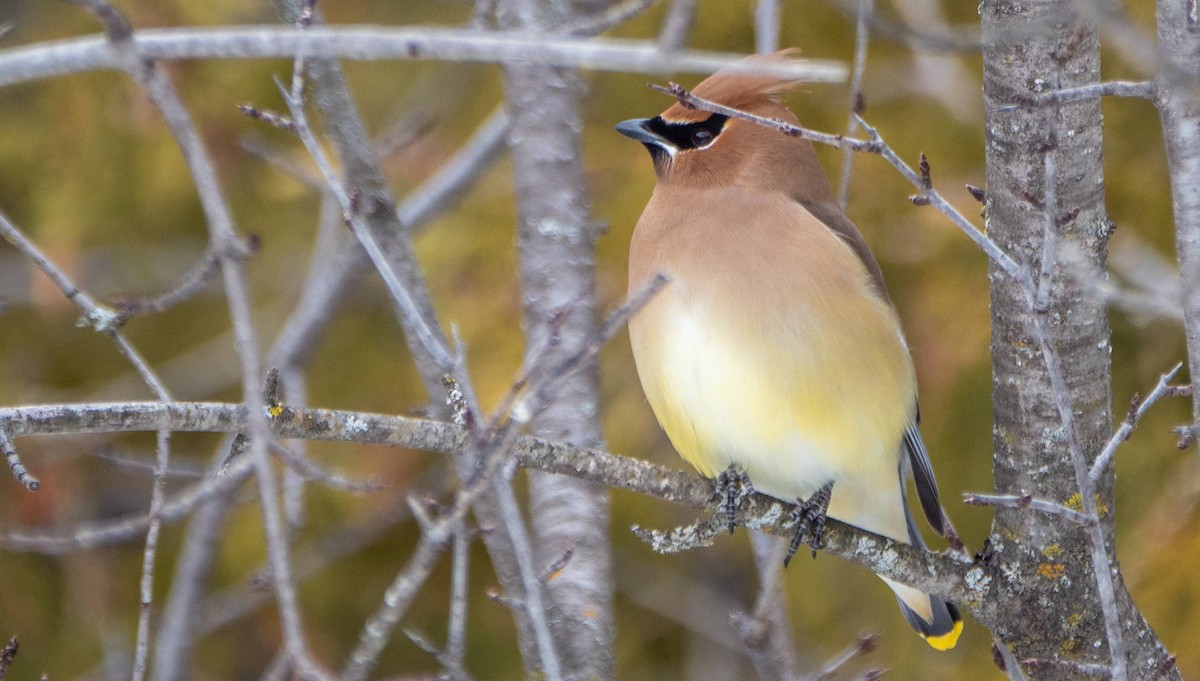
[{"x": 947, "y": 640}]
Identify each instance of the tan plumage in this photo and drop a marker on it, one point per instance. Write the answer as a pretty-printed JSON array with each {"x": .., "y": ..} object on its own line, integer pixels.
[{"x": 775, "y": 346}]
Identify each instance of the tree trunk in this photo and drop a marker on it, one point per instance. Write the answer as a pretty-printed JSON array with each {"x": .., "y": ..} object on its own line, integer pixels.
[
  {"x": 1051, "y": 613},
  {"x": 1179, "y": 105},
  {"x": 556, "y": 242}
]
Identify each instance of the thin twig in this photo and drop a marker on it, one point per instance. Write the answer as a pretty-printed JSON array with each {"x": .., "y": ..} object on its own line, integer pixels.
[
  {"x": 1144, "y": 89},
  {"x": 862, "y": 36},
  {"x": 428, "y": 338},
  {"x": 261, "y": 149},
  {"x": 1004, "y": 658},
  {"x": 534, "y": 606},
  {"x": 307, "y": 470},
  {"x": 765, "y": 632},
  {"x": 178, "y": 625},
  {"x": 142, "y": 465},
  {"x": 456, "y": 636},
  {"x": 190, "y": 284},
  {"x": 1101, "y": 561},
  {"x": 19, "y": 472},
  {"x": 691, "y": 101},
  {"x": 523, "y": 410},
  {"x": 935, "y": 199},
  {"x": 874, "y": 145},
  {"x": 399, "y": 594},
  {"x": 150, "y": 553},
  {"x": 609, "y": 18},
  {"x": 101, "y": 318},
  {"x": 865, "y": 644},
  {"x": 436, "y": 533},
  {"x": 1137, "y": 408},
  {"x": 271, "y": 118},
  {"x": 1028, "y": 501}
]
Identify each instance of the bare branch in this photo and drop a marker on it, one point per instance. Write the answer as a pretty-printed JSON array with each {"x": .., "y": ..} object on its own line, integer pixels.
[
  {"x": 23, "y": 64},
  {"x": 1137, "y": 408},
  {"x": 260, "y": 148},
  {"x": 429, "y": 339},
  {"x": 691, "y": 101},
  {"x": 131, "y": 462},
  {"x": 553, "y": 379},
  {"x": 1178, "y": 105},
  {"x": 150, "y": 553},
  {"x": 19, "y": 473},
  {"x": 237, "y": 601},
  {"x": 396, "y": 599},
  {"x": 943, "y": 575},
  {"x": 700, "y": 534},
  {"x": 1101, "y": 562},
  {"x": 935, "y": 199},
  {"x": 102, "y": 319},
  {"x": 1142, "y": 89},
  {"x": 765, "y": 632},
  {"x": 1027, "y": 501},
  {"x": 613, "y": 16},
  {"x": 189, "y": 285},
  {"x": 862, "y": 36},
  {"x": 456, "y": 638},
  {"x": 874, "y": 145},
  {"x": 277, "y": 121},
  {"x": 865, "y": 644}
]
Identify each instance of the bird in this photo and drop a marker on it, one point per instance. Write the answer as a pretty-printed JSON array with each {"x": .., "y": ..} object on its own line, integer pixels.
[{"x": 774, "y": 351}]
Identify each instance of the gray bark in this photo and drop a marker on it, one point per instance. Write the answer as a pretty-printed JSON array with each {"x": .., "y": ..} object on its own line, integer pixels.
[
  {"x": 1178, "y": 102},
  {"x": 556, "y": 242},
  {"x": 1050, "y": 610}
]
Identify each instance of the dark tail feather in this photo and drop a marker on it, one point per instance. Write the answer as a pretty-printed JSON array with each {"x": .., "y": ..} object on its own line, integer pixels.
[{"x": 942, "y": 633}]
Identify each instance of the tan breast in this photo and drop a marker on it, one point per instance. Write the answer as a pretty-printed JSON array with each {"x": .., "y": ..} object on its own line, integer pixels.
[{"x": 769, "y": 347}]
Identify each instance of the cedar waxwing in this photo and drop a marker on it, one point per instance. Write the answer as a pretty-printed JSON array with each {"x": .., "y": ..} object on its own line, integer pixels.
[{"x": 774, "y": 349}]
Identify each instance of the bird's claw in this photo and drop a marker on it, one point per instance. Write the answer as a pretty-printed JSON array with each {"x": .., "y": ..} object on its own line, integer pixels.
[
  {"x": 808, "y": 518},
  {"x": 732, "y": 486}
]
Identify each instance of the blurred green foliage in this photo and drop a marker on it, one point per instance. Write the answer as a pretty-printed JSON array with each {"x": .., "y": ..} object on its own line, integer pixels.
[{"x": 88, "y": 170}]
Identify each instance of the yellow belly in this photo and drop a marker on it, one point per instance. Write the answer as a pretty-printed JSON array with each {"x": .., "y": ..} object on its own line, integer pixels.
[{"x": 797, "y": 400}]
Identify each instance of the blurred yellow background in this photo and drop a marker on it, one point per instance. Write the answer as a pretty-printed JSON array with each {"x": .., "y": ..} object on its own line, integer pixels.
[{"x": 89, "y": 172}]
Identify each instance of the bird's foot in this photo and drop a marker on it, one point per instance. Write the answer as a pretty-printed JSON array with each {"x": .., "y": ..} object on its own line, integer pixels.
[
  {"x": 808, "y": 518},
  {"x": 732, "y": 486}
]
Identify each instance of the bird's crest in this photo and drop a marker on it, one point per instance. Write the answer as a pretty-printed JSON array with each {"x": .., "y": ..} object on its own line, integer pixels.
[{"x": 738, "y": 89}]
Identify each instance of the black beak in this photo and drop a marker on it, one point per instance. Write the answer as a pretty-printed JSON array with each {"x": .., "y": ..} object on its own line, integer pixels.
[{"x": 639, "y": 129}]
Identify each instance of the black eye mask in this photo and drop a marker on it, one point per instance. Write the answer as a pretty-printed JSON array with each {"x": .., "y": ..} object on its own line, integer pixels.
[{"x": 688, "y": 135}]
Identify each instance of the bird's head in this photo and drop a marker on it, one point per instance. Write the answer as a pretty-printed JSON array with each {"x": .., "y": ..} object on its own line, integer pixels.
[{"x": 697, "y": 148}]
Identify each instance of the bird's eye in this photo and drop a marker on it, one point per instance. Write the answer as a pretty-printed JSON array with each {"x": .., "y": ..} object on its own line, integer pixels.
[{"x": 701, "y": 137}]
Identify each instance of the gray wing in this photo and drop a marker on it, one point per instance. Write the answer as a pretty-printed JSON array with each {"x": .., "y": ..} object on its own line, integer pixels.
[{"x": 927, "y": 489}]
